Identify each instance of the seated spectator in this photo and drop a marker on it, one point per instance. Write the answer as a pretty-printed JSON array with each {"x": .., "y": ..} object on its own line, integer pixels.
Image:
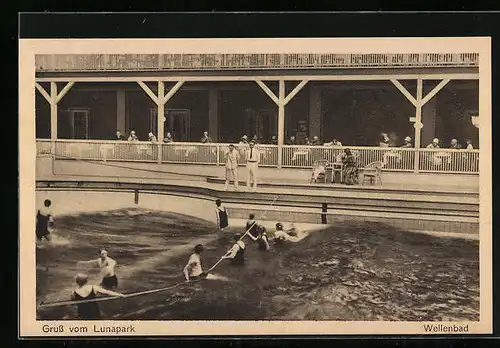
[
  {"x": 334, "y": 143},
  {"x": 307, "y": 142},
  {"x": 274, "y": 140},
  {"x": 244, "y": 140},
  {"x": 455, "y": 145},
  {"x": 168, "y": 138},
  {"x": 407, "y": 143},
  {"x": 132, "y": 136},
  {"x": 469, "y": 145},
  {"x": 292, "y": 141},
  {"x": 434, "y": 144},
  {"x": 152, "y": 137},
  {"x": 315, "y": 141},
  {"x": 119, "y": 135},
  {"x": 205, "y": 139},
  {"x": 384, "y": 140}
]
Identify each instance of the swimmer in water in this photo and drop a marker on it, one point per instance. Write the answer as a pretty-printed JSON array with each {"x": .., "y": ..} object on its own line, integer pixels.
[
  {"x": 84, "y": 291},
  {"x": 193, "y": 270},
  {"x": 107, "y": 266},
  {"x": 237, "y": 252},
  {"x": 44, "y": 221},
  {"x": 261, "y": 239},
  {"x": 221, "y": 213},
  {"x": 280, "y": 236}
]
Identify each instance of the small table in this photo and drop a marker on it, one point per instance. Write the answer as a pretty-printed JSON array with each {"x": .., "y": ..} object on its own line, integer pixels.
[{"x": 338, "y": 168}]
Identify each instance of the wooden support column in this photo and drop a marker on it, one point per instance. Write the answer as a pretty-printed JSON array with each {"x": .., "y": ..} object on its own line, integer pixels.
[
  {"x": 281, "y": 100},
  {"x": 53, "y": 111},
  {"x": 418, "y": 124},
  {"x": 281, "y": 121},
  {"x": 419, "y": 102},
  {"x": 160, "y": 124},
  {"x": 160, "y": 100},
  {"x": 53, "y": 99}
]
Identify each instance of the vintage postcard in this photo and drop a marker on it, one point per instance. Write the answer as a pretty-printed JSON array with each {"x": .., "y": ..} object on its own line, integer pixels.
[{"x": 255, "y": 186}]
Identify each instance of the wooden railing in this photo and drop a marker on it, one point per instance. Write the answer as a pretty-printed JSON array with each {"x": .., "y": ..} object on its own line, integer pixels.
[
  {"x": 394, "y": 159},
  {"x": 145, "y": 62}
]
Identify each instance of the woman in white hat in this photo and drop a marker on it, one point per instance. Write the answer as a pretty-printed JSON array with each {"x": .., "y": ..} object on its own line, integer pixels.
[
  {"x": 133, "y": 137},
  {"x": 151, "y": 137},
  {"x": 434, "y": 144},
  {"x": 407, "y": 143}
]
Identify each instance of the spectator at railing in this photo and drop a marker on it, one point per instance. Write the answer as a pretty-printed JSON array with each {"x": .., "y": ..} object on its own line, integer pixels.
[
  {"x": 168, "y": 138},
  {"x": 393, "y": 139},
  {"x": 292, "y": 140},
  {"x": 469, "y": 145},
  {"x": 434, "y": 144},
  {"x": 152, "y": 137},
  {"x": 274, "y": 140},
  {"x": 384, "y": 140},
  {"x": 206, "y": 139},
  {"x": 243, "y": 140},
  {"x": 255, "y": 139},
  {"x": 334, "y": 143},
  {"x": 132, "y": 136},
  {"x": 407, "y": 143},
  {"x": 307, "y": 142},
  {"x": 315, "y": 141},
  {"x": 119, "y": 135},
  {"x": 455, "y": 145}
]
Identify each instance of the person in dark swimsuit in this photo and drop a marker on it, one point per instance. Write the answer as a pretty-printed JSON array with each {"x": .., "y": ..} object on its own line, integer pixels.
[
  {"x": 261, "y": 239},
  {"x": 44, "y": 221},
  {"x": 222, "y": 217},
  {"x": 237, "y": 253},
  {"x": 252, "y": 225},
  {"x": 84, "y": 291}
]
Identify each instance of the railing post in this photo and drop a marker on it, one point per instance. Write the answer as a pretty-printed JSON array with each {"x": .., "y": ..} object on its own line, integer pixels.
[{"x": 218, "y": 154}]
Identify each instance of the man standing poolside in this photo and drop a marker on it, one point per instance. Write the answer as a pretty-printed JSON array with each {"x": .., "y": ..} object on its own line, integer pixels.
[{"x": 252, "y": 157}]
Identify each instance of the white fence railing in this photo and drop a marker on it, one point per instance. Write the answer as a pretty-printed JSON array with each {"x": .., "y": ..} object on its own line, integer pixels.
[{"x": 394, "y": 159}]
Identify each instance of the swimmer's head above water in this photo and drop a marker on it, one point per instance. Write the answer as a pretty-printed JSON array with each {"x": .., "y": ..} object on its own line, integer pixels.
[
  {"x": 81, "y": 279},
  {"x": 103, "y": 253},
  {"x": 198, "y": 249}
]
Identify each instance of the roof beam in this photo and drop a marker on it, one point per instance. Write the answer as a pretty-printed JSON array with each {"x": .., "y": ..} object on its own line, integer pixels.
[{"x": 215, "y": 78}]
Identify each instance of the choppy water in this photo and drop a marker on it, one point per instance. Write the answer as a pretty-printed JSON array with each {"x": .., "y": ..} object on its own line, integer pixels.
[{"x": 351, "y": 271}]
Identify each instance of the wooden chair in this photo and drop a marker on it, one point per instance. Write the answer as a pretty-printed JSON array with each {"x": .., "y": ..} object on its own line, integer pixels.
[
  {"x": 373, "y": 172},
  {"x": 322, "y": 175}
]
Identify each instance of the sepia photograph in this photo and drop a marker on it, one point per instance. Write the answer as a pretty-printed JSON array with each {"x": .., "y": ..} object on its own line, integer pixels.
[{"x": 259, "y": 181}]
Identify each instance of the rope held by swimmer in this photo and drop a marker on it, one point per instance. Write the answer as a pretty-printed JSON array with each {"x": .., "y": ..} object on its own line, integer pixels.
[
  {"x": 147, "y": 292},
  {"x": 243, "y": 236}
]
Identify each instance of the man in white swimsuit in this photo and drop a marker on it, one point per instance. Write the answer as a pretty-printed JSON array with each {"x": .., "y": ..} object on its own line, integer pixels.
[{"x": 107, "y": 266}]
